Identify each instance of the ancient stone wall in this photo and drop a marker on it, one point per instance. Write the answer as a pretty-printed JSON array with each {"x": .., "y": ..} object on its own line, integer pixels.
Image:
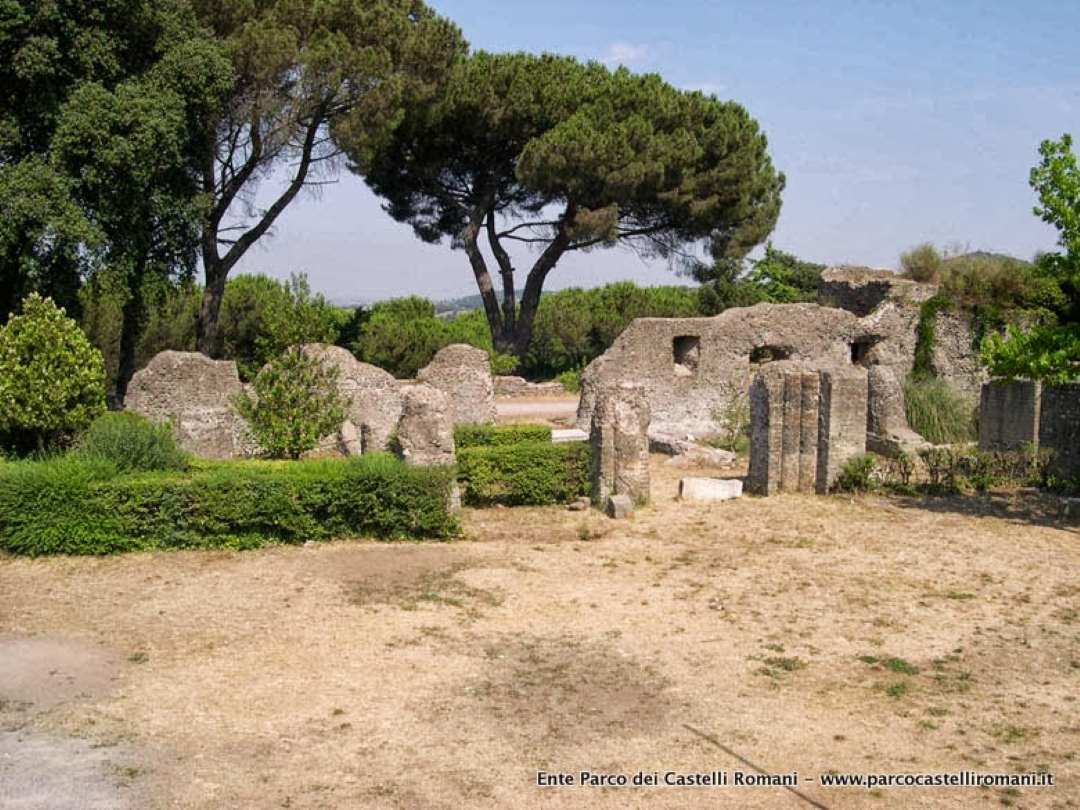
[
  {"x": 1059, "y": 428},
  {"x": 804, "y": 426},
  {"x": 463, "y": 373},
  {"x": 620, "y": 444},
  {"x": 694, "y": 367},
  {"x": 512, "y": 386},
  {"x": 1009, "y": 415},
  {"x": 195, "y": 394}
]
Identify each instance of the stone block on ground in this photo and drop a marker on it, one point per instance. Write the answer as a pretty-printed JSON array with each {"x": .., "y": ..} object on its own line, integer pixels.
[
  {"x": 463, "y": 373},
  {"x": 619, "y": 506},
  {"x": 697, "y": 456},
  {"x": 425, "y": 434},
  {"x": 707, "y": 490},
  {"x": 842, "y": 422},
  {"x": 568, "y": 435},
  {"x": 1059, "y": 428},
  {"x": 620, "y": 444}
]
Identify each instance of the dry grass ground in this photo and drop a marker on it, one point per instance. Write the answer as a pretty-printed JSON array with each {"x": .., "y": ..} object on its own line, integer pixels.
[{"x": 803, "y": 633}]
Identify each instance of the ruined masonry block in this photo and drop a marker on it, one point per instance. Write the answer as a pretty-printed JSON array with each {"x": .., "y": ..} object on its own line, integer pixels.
[
  {"x": 425, "y": 433},
  {"x": 1059, "y": 428},
  {"x": 804, "y": 426},
  {"x": 707, "y": 490},
  {"x": 620, "y": 444},
  {"x": 195, "y": 394},
  {"x": 842, "y": 422},
  {"x": 463, "y": 373},
  {"x": 1009, "y": 415}
]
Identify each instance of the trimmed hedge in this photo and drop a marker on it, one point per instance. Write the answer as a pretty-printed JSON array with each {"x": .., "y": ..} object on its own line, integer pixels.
[
  {"x": 499, "y": 435},
  {"x": 524, "y": 474},
  {"x": 72, "y": 505}
]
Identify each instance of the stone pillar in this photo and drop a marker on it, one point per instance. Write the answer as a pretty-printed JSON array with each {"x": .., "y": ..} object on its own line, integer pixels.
[
  {"x": 842, "y": 421},
  {"x": 804, "y": 426},
  {"x": 766, "y": 434},
  {"x": 1009, "y": 414},
  {"x": 620, "y": 443},
  {"x": 463, "y": 373},
  {"x": 425, "y": 434}
]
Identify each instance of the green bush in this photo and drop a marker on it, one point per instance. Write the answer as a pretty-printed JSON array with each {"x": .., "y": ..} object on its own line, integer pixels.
[
  {"x": 296, "y": 403},
  {"x": 938, "y": 412},
  {"x": 570, "y": 380},
  {"x": 52, "y": 381},
  {"x": 525, "y": 474},
  {"x": 921, "y": 263},
  {"x": 478, "y": 435},
  {"x": 132, "y": 443},
  {"x": 859, "y": 474},
  {"x": 78, "y": 505}
]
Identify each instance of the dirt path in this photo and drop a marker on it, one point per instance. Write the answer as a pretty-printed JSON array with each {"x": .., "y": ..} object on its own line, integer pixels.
[
  {"x": 808, "y": 634},
  {"x": 559, "y": 411}
]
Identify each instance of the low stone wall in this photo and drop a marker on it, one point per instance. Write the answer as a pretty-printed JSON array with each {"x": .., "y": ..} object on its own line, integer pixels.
[{"x": 512, "y": 387}]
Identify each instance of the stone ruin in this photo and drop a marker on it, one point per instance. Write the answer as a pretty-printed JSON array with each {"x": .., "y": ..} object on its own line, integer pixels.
[
  {"x": 620, "y": 445},
  {"x": 805, "y": 425},
  {"x": 374, "y": 397},
  {"x": 463, "y": 373},
  {"x": 195, "y": 394},
  {"x": 694, "y": 368},
  {"x": 425, "y": 434},
  {"x": 1021, "y": 414}
]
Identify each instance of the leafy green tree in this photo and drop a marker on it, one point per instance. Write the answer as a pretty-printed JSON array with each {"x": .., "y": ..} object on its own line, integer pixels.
[
  {"x": 301, "y": 70},
  {"x": 563, "y": 156},
  {"x": 52, "y": 381},
  {"x": 261, "y": 317},
  {"x": 296, "y": 403},
  {"x": 922, "y": 263},
  {"x": 1049, "y": 352},
  {"x": 775, "y": 278}
]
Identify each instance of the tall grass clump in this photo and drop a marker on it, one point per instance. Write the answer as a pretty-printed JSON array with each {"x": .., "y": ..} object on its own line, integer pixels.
[
  {"x": 937, "y": 411},
  {"x": 132, "y": 443}
]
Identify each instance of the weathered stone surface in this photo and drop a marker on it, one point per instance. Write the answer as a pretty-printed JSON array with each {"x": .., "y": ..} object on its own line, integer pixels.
[
  {"x": 463, "y": 373},
  {"x": 510, "y": 386},
  {"x": 707, "y": 490},
  {"x": 1059, "y": 428},
  {"x": 1009, "y": 414},
  {"x": 620, "y": 444},
  {"x": 804, "y": 426},
  {"x": 374, "y": 398},
  {"x": 887, "y": 430},
  {"x": 842, "y": 422},
  {"x": 697, "y": 456},
  {"x": 195, "y": 394},
  {"x": 619, "y": 506},
  {"x": 861, "y": 290},
  {"x": 568, "y": 435},
  {"x": 425, "y": 434}
]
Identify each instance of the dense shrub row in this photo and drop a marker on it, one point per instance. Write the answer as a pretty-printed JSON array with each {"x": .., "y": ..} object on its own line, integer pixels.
[
  {"x": 477, "y": 435},
  {"x": 81, "y": 505},
  {"x": 527, "y": 473}
]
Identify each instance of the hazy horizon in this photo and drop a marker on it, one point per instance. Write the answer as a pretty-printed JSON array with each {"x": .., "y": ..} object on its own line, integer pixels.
[{"x": 907, "y": 123}]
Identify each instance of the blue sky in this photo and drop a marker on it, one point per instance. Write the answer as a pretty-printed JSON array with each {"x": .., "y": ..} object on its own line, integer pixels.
[{"x": 895, "y": 123}]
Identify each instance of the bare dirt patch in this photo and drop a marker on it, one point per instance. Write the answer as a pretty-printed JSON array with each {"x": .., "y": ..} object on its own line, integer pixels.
[{"x": 812, "y": 634}]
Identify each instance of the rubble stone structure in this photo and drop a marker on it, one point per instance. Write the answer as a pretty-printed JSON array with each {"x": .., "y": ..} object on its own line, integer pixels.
[
  {"x": 1009, "y": 414},
  {"x": 620, "y": 444},
  {"x": 425, "y": 434},
  {"x": 195, "y": 394},
  {"x": 804, "y": 426},
  {"x": 692, "y": 368},
  {"x": 374, "y": 398},
  {"x": 464, "y": 374}
]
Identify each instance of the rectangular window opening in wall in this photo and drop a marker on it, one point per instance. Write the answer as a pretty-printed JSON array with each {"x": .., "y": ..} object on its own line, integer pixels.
[
  {"x": 686, "y": 351},
  {"x": 860, "y": 350}
]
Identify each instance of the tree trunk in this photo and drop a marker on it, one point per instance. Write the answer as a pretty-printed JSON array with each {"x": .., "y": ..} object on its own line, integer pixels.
[
  {"x": 133, "y": 317},
  {"x": 207, "y": 331}
]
